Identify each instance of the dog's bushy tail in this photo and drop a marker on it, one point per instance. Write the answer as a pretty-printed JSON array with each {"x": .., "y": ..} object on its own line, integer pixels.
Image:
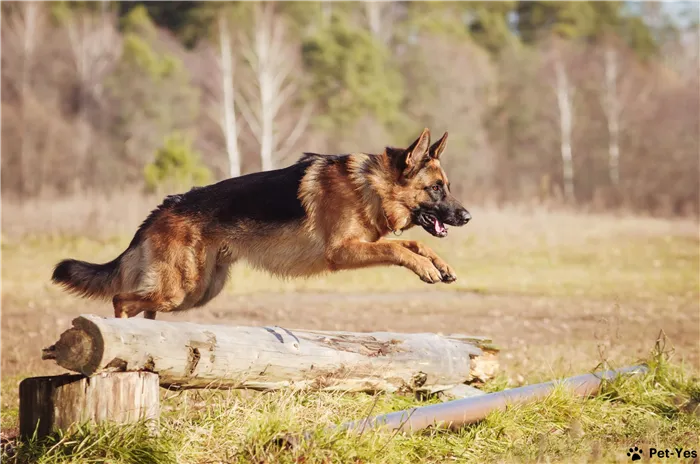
[{"x": 88, "y": 279}]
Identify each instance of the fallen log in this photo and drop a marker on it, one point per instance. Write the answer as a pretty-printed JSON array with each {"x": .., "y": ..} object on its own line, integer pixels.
[{"x": 188, "y": 355}]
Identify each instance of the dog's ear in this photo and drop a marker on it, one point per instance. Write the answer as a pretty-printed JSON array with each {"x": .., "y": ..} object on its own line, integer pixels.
[
  {"x": 438, "y": 147},
  {"x": 417, "y": 153}
]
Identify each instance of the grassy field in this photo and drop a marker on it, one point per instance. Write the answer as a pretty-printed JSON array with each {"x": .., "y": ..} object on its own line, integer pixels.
[{"x": 558, "y": 292}]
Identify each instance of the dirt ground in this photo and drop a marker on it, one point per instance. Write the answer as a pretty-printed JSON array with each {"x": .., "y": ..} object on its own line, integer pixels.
[
  {"x": 536, "y": 334},
  {"x": 557, "y": 292}
]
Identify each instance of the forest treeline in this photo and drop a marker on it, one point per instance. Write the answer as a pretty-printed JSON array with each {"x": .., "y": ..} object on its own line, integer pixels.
[{"x": 588, "y": 103}]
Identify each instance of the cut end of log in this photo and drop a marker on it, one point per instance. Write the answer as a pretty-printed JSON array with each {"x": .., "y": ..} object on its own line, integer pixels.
[
  {"x": 79, "y": 349},
  {"x": 484, "y": 367}
]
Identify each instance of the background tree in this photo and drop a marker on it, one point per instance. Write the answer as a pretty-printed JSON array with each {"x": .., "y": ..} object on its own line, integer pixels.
[
  {"x": 229, "y": 125},
  {"x": 439, "y": 68},
  {"x": 95, "y": 46},
  {"x": 519, "y": 130},
  {"x": 565, "y": 95},
  {"x": 176, "y": 166},
  {"x": 148, "y": 86},
  {"x": 381, "y": 18},
  {"x": 90, "y": 88},
  {"x": 22, "y": 29},
  {"x": 268, "y": 93},
  {"x": 351, "y": 76},
  {"x": 539, "y": 20},
  {"x": 490, "y": 24}
]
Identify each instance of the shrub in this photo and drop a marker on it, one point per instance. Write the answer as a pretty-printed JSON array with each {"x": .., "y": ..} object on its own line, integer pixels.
[{"x": 176, "y": 165}]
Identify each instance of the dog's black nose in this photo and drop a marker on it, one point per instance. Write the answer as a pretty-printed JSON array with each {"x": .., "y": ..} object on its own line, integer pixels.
[{"x": 463, "y": 216}]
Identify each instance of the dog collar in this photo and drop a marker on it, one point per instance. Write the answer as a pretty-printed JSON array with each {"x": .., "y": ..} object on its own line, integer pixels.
[{"x": 388, "y": 224}]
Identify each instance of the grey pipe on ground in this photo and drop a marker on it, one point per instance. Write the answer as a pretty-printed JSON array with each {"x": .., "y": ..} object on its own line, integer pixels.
[{"x": 453, "y": 414}]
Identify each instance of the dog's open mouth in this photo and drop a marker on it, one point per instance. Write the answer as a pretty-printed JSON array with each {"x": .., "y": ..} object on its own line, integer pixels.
[{"x": 433, "y": 225}]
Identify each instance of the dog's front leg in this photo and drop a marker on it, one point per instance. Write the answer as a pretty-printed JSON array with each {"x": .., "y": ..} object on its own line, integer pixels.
[
  {"x": 357, "y": 254},
  {"x": 447, "y": 273}
]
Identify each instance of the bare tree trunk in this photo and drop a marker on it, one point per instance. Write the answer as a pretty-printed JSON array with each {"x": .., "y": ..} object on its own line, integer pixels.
[
  {"x": 95, "y": 46},
  {"x": 78, "y": 34},
  {"x": 31, "y": 12},
  {"x": 381, "y": 16},
  {"x": 263, "y": 45},
  {"x": 564, "y": 97},
  {"x": 374, "y": 17},
  {"x": 612, "y": 113},
  {"x": 326, "y": 12},
  {"x": 272, "y": 61},
  {"x": 229, "y": 117}
]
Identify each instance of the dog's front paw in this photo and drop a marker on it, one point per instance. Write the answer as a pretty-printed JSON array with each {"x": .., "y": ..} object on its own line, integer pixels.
[
  {"x": 447, "y": 274},
  {"x": 428, "y": 272}
]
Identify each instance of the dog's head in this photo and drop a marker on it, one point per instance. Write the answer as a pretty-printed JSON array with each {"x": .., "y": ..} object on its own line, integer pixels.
[{"x": 423, "y": 188}]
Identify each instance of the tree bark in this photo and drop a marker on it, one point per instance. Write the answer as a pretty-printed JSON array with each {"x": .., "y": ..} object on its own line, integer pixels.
[
  {"x": 381, "y": 18},
  {"x": 563, "y": 90},
  {"x": 374, "y": 17},
  {"x": 229, "y": 117},
  {"x": 187, "y": 355},
  {"x": 326, "y": 12},
  {"x": 269, "y": 94},
  {"x": 58, "y": 402},
  {"x": 612, "y": 113},
  {"x": 31, "y": 14}
]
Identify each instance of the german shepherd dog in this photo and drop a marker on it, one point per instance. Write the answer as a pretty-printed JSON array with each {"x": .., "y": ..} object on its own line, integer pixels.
[{"x": 323, "y": 213}]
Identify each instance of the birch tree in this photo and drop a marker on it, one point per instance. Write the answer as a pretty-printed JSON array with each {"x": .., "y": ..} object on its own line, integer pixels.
[
  {"x": 95, "y": 47},
  {"x": 381, "y": 17},
  {"x": 266, "y": 99},
  {"x": 623, "y": 86},
  {"x": 227, "y": 119},
  {"x": 611, "y": 108},
  {"x": 326, "y": 12},
  {"x": 564, "y": 93},
  {"x": 22, "y": 34}
]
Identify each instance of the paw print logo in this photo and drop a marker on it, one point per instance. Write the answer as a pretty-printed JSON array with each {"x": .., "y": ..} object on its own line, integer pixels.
[{"x": 635, "y": 453}]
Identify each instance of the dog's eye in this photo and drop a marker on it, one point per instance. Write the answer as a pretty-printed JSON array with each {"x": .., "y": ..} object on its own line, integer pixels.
[{"x": 436, "y": 188}]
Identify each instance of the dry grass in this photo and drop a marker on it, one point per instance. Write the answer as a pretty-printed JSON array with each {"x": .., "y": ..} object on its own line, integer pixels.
[
  {"x": 557, "y": 290},
  {"x": 101, "y": 215},
  {"x": 92, "y": 215},
  {"x": 544, "y": 252},
  {"x": 659, "y": 409}
]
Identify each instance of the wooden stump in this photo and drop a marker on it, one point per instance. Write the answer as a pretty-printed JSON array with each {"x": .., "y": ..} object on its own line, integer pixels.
[{"x": 58, "y": 402}]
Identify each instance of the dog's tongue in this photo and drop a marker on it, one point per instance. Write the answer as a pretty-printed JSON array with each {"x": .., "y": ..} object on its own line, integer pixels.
[{"x": 439, "y": 228}]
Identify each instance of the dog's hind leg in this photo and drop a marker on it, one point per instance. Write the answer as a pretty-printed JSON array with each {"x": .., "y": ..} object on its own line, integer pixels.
[{"x": 131, "y": 304}]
